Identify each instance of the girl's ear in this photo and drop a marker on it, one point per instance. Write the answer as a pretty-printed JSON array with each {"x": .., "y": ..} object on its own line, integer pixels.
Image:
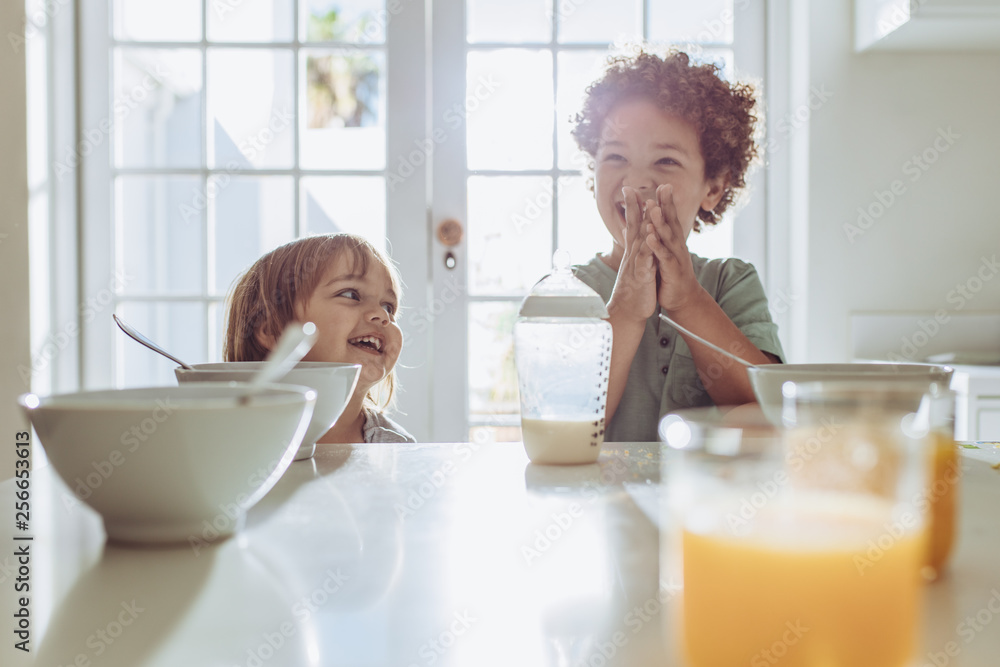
[{"x": 265, "y": 340}]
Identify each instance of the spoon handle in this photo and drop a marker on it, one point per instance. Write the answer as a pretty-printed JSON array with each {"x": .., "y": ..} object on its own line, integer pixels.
[
  {"x": 141, "y": 339},
  {"x": 296, "y": 340},
  {"x": 705, "y": 342}
]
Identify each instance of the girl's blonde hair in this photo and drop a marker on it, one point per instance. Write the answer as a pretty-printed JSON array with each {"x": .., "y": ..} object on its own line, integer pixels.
[{"x": 264, "y": 298}]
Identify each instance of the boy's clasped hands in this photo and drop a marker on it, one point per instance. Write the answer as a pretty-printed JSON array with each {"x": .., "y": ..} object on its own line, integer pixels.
[{"x": 656, "y": 266}]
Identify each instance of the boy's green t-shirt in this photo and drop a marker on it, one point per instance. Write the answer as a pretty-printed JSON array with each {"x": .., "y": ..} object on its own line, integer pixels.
[{"x": 663, "y": 377}]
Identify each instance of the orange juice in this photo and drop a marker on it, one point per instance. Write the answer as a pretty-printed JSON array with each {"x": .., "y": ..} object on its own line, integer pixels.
[
  {"x": 942, "y": 494},
  {"x": 823, "y": 579}
]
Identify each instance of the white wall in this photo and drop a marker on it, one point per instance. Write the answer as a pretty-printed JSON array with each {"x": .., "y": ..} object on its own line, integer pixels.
[
  {"x": 884, "y": 109},
  {"x": 14, "y": 333}
]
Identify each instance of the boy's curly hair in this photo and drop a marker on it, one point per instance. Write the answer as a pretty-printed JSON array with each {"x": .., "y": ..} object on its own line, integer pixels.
[{"x": 724, "y": 115}]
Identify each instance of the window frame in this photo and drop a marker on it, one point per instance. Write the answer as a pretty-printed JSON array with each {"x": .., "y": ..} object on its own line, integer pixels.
[{"x": 98, "y": 365}]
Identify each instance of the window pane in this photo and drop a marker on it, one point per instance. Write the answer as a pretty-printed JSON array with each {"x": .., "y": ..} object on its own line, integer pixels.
[
  {"x": 581, "y": 231},
  {"x": 250, "y": 21},
  {"x": 158, "y": 21},
  {"x": 509, "y": 105},
  {"x": 345, "y": 110},
  {"x": 353, "y": 204},
  {"x": 251, "y": 113},
  {"x": 577, "y": 70},
  {"x": 513, "y": 21},
  {"x": 251, "y": 215},
  {"x": 484, "y": 434},
  {"x": 706, "y": 21},
  {"x": 492, "y": 376},
  {"x": 160, "y": 226},
  {"x": 217, "y": 314},
  {"x": 722, "y": 58},
  {"x": 510, "y": 233},
  {"x": 177, "y": 327},
  {"x": 156, "y": 111},
  {"x": 598, "y": 20},
  {"x": 713, "y": 240},
  {"x": 356, "y": 21}
]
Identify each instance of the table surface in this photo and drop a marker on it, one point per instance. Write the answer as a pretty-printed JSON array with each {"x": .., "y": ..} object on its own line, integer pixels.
[{"x": 412, "y": 555}]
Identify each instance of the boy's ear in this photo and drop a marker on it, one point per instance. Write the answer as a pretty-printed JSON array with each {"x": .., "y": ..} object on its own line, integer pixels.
[{"x": 716, "y": 188}]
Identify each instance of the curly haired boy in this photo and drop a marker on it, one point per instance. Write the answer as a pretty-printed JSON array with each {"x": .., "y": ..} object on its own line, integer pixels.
[{"x": 670, "y": 142}]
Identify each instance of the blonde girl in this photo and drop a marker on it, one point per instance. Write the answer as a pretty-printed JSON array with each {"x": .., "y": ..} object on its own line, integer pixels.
[{"x": 350, "y": 290}]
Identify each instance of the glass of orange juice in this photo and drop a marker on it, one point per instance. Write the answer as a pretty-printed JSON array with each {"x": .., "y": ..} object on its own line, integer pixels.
[
  {"x": 942, "y": 490},
  {"x": 795, "y": 544},
  {"x": 933, "y": 409}
]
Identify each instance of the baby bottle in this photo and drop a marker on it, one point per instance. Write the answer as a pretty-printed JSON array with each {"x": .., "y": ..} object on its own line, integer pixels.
[{"x": 562, "y": 348}]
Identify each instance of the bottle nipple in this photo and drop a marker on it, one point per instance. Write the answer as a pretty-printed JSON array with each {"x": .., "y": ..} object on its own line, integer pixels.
[{"x": 561, "y": 260}]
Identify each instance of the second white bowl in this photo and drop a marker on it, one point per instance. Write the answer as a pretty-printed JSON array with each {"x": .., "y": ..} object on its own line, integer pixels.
[
  {"x": 768, "y": 379},
  {"x": 333, "y": 383}
]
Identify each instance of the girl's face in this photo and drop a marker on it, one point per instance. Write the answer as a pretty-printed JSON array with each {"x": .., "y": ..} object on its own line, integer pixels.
[
  {"x": 356, "y": 318},
  {"x": 643, "y": 147}
]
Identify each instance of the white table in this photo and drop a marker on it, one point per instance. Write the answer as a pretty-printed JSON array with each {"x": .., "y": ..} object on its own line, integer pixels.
[{"x": 417, "y": 555}]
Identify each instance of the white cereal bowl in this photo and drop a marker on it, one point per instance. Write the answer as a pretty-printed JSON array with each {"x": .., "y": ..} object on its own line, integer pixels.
[
  {"x": 768, "y": 379},
  {"x": 333, "y": 383},
  {"x": 171, "y": 464}
]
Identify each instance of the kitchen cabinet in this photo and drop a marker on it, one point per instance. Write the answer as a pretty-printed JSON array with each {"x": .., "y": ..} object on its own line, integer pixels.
[
  {"x": 977, "y": 410},
  {"x": 927, "y": 25},
  {"x": 966, "y": 341}
]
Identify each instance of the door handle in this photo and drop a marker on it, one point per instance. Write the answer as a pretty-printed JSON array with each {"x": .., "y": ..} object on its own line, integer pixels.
[{"x": 449, "y": 232}]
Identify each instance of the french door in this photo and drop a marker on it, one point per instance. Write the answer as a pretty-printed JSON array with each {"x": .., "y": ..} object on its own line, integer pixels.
[
  {"x": 507, "y": 78},
  {"x": 214, "y": 130}
]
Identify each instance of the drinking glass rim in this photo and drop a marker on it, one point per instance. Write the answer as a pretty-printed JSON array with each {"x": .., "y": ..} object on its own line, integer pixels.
[{"x": 726, "y": 432}]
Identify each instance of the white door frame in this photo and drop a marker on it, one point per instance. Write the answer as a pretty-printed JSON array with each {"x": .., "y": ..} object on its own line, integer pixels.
[
  {"x": 406, "y": 205},
  {"x": 448, "y": 303},
  {"x": 408, "y": 233}
]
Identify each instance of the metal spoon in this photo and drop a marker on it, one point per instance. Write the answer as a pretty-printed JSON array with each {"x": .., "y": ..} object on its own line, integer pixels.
[
  {"x": 296, "y": 340},
  {"x": 705, "y": 342},
  {"x": 138, "y": 337}
]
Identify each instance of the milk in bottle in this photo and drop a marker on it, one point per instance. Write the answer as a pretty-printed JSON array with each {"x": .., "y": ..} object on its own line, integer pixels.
[{"x": 562, "y": 348}]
